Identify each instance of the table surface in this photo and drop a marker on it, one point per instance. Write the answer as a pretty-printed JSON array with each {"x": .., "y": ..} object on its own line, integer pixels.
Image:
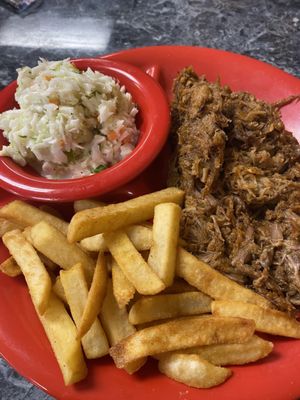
[{"x": 268, "y": 30}]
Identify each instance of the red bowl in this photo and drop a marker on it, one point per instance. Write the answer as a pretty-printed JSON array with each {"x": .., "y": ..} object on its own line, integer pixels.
[{"x": 153, "y": 122}]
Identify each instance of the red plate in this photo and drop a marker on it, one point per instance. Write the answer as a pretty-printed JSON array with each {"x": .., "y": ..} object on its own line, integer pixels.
[{"x": 22, "y": 340}]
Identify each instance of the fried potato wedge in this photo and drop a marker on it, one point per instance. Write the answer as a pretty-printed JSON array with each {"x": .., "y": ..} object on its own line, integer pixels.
[
  {"x": 95, "y": 296},
  {"x": 162, "y": 256},
  {"x": 117, "y": 326},
  {"x": 34, "y": 271},
  {"x": 85, "y": 204},
  {"x": 141, "y": 237},
  {"x": 164, "y": 306},
  {"x": 193, "y": 370},
  {"x": 10, "y": 267},
  {"x": 133, "y": 265},
  {"x": 58, "y": 289},
  {"x": 269, "y": 321},
  {"x": 179, "y": 286},
  {"x": 213, "y": 283},
  {"x": 27, "y": 215},
  {"x": 254, "y": 349},
  {"x": 53, "y": 244},
  {"x": 94, "y": 342},
  {"x": 61, "y": 332},
  {"x": 181, "y": 333},
  {"x": 123, "y": 289},
  {"x": 115, "y": 216},
  {"x": 7, "y": 225}
]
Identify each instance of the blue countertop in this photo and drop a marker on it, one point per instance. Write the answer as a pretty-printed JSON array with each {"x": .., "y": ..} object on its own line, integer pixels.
[{"x": 268, "y": 30}]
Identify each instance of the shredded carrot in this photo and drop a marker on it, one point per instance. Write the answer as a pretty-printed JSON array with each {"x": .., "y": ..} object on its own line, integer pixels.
[{"x": 112, "y": 135}]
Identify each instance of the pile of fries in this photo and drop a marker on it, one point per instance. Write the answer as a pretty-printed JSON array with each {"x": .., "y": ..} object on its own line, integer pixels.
[{"x": 111, "y": 282}]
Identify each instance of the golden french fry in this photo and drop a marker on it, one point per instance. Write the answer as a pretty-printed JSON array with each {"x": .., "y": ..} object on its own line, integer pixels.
[
  {"x": 7, "y": 225},
  {"x": 179, "y": 334},
  {"x": 162, "y": 256},
  {"x": 141, "y": 237},
  {"x": 27, "y": 215},
  {"x": 59, "y": 290},
  {"x": 212, "y": 282},
  {"x": 53, "y": 244},
  {"x": 34, "y": 271},
  {"x": 266, "y": 320},
  {"x": 234, "y": 353},
  {"x": 193, "y": 370},
  {"x": 85, "y": 204},
  {"x": 10, "y": 268},
  {"x": 164, "y": 306},
  {"x": 134, "y": 267},
  {"x": 115, "y": 216},
  {"x": 94, "y": 342},
  {"x": 123, "y": 289},
  {"x": 117, "y": 326},
  {"x": 61, "y": 333},
  {"x": 95, "y": 296}
]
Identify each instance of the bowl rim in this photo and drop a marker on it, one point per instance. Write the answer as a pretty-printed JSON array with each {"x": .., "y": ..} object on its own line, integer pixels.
[{"x": 16, "y": 180}]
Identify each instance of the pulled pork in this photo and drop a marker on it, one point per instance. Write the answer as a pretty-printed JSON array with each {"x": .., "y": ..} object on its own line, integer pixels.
[{"x": 240, "y": 170}]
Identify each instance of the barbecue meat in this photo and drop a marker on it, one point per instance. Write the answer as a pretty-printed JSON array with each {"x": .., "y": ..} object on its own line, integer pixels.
[{"x": 240, "y": 170}]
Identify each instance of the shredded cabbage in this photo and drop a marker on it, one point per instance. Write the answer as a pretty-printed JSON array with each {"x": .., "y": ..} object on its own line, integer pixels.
[{"x": 70, "y": 123}]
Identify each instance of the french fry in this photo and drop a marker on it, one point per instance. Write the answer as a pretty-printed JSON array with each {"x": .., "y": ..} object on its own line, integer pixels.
[
  {"x": 193, "y": 370},
  {"x": 181, "y": 333},
  {"x": 61, "y": 333},
  {"x": 134, "y": 267},
  {"x": 269, "y": 321},
  {"x": 85, "y": 204},
  {"x": 115, "y": 216},
  {"x": 95, "y": 296},
  {"x": 254, "y": 349},
  {"x": 7, "y": 225},
  {"x": 10, "y": 268},
  {"x": 162, "y": 256},
  {"x": 34, "y": 271},
  {"x": 117, "y": 326},
  {"x": 213, "y": 283},
  {"x": 141, "y": 237},
  {"x": 123, "y": 289},
  {"x": 164, "y": 306},
  {"x": 27, "y": 215},
  {"x": 54, "y": 245},
  {"x": 94, "y": 342}
]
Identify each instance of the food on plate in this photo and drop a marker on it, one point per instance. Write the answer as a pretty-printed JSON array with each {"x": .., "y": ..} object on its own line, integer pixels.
[
  {"x": 115, "y": 216},
  {"x": 94, "y": 342},
  {"x": 118, "y": 304},
  {"x": 61, "y": 332},
  {"x": 80, "y": 205},
  {"x": 10, "y": 267},
  {"x": 123, "y": 289},
  {"x": 34, "y": 271},
  {"x": 252, "y": 350},
  {"x": 7, "y": 225},
  {"x": 162, "y": 255},
  {"x": 163, "y": 306},
  {"x": 240, "y": 171},
  {"x": 95, "y": 296},
  {"x": 211, "y": 282},
  {"x": 26, "y": 214},
  {"x": 193, "y": 370},
  {"x": 53, "y": 244},
  {"x": 181, "y": 333},
  {"x": 70, "y": 123},
  {"x": 141, "y": 237},
  {"x": 266, "y": 320},
  {"x": 132, "y": 263},
  {"x": 117, "y": 326}
]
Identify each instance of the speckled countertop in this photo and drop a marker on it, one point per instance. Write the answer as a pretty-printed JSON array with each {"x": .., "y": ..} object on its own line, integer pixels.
[{"x": 268, "y": 30}]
